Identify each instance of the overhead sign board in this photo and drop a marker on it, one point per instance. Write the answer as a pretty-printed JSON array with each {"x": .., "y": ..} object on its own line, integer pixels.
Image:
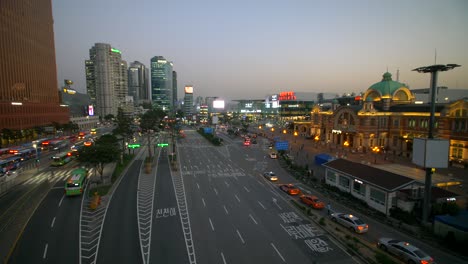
[{"x": 282, "y": 145}]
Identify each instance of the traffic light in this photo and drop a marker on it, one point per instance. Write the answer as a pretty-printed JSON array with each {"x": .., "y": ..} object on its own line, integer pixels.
[
  {"x": 133, "y": 146},
  {"x": 163, "y": 145}
]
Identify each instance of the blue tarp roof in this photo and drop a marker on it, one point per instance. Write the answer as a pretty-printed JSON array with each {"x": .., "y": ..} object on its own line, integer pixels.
[{"x": 459, "y": 221}]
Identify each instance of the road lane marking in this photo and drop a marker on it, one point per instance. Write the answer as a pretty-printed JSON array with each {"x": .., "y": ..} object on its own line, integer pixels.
[
  {"x": 225, "y": 209},
  {"x": 237, "y": 198},
  {"x": 227, "y": 184},
  {"x": 216, "y": 191},
  {"x": 251, "y": 217},
  {"x": 238, "y": 233},
  {"x": 262, "y": 205},
  {"x": 198, "y": 186},
  {"x": 276, "y": 202},
  {"x": 222, "y": 256},
  {"x": 211, "y": 223},
  {"x": 246, "y": 189},
  {"x": 45, "y": 251},
  {"x": 278, "y": 252},
  {"x": 53, "y": 222},
  {"x": 61, "y": 200},
  {"x": 203, "y": 200}
]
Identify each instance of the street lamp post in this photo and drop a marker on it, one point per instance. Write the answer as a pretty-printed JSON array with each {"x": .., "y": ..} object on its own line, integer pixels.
[
  {"x": 37, "y": 157},
  {"x": 376, "y": 150},
  {"x": 433, "y": 70}
]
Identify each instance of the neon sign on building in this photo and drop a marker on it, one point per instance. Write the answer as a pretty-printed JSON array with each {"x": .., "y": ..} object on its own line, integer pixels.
[{"x": 285, "y": 96}]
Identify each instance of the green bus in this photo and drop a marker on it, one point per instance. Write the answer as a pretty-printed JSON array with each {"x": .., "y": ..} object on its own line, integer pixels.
[
  {"x": 61, "y": 159},
  {"x": 75, "y": 183}
]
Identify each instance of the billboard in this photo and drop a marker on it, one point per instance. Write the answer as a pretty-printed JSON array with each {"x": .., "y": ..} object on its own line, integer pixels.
[
  {"x": 91, "y": 110},
  {"x": 287, "y": 96},
  {"x": 218, "y": 104},
  {"x": 215, "y": 120},
  {"x": 189, "y": 89}
]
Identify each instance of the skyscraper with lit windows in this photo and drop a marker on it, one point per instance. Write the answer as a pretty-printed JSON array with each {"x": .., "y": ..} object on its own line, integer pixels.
[
  {"x": 162, "y": 83},
  {"x": 106, "y": 79}
]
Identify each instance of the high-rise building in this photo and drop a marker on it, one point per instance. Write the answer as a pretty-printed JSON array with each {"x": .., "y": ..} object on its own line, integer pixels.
[
  {"x": 161, "y": 83},
  {"x": 138, "y": 82},
  {"x": 174, "y": 89},
  {"x": 29, "y": 95},
  {"x": 106, "y": 79},
  {"x": 188, "y": 101}
]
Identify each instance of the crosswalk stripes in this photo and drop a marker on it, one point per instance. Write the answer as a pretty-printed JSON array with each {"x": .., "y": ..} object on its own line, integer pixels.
[{"x": 54, "y": 177}]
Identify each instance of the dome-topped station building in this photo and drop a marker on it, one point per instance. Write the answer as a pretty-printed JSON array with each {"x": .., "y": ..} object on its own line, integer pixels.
[{"x": 386, "y": 117}]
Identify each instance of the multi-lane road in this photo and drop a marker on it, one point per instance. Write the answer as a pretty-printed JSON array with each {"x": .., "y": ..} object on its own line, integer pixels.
[{"x": 215, "y": 207}]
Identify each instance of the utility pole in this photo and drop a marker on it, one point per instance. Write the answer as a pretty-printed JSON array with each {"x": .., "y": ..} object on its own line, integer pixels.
[{"x": 433, "y": 70}]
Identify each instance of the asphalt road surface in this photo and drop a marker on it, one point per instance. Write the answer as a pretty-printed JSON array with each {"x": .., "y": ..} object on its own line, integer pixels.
[
  {"x": 52, "y": 234},
  {"x": 239, "y": 217}
]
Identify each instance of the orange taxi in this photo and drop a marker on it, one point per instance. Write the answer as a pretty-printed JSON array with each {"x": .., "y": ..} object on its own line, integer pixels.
[
  {"x": 290, "y": 189},
  {"x": 312, "y": 201}
]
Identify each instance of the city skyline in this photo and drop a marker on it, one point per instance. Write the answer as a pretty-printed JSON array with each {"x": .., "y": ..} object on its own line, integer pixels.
[{"x": 241, "y": 49}]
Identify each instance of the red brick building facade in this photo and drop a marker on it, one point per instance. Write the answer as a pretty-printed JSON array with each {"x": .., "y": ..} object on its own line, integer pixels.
[{"x": 29, "y": 94}]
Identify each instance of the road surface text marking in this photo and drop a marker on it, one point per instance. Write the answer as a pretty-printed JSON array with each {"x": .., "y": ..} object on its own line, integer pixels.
[
  {"x": 318, "y": 245},
  {"x": 165, "y": 212}
]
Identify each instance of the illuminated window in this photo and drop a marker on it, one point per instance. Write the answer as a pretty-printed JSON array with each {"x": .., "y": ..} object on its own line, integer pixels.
[
  {"x": 457, "y": 151},
  {"x": 396, "y": 123},
  {"x": 411, "y": 123}
]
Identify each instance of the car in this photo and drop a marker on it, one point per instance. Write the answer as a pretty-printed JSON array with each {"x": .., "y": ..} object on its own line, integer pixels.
[
  {"x": 404, "y": 250},
  {"x": 273, "y": 155},
  {"x": 350, "y": 221},
  {"x": 271, "y": 176},
  {"x": 290, "y": 189},
  {"x": 313, "y": 201}
]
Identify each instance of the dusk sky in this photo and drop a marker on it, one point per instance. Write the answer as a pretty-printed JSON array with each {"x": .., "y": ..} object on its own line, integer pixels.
[{"x": 250, "y": 49}]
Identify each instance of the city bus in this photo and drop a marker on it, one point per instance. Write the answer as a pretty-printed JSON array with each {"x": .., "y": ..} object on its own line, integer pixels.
[
  {"x": 61, "y": 159},
  {"x": 75, "y": 183},
  {"x": 9, "y": 164}
]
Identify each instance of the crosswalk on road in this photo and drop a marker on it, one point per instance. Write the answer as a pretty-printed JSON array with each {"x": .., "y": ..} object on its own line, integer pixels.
[{"x": 52, "y": 176}]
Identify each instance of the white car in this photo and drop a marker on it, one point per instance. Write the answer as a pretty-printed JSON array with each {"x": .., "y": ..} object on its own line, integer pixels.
[
  {"x": 350, "y": 221},
  {"x": 273, "y": 155},
  {"x": 271, "y": 176},
  {"x": 405, "y": 251}
]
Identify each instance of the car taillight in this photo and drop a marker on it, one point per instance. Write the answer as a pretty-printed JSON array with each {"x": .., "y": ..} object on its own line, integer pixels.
[
  {"x": 426, "y": 261},
  {"x": 360, "y": 227}
]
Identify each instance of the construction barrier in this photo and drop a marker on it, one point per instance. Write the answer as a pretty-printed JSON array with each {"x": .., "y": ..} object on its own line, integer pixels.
[{"x": 95, "y": 202}]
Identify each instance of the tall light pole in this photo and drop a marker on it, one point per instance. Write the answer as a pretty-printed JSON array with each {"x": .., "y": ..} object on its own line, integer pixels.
[{"x": 433, "y": 70}]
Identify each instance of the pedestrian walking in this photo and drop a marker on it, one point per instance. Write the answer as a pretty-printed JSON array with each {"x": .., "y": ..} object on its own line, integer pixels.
[{"x": 328, "y": 209}]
